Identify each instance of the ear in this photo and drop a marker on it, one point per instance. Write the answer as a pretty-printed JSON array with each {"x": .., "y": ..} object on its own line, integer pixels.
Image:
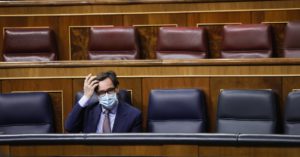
[{"x": 117, "y": 90}]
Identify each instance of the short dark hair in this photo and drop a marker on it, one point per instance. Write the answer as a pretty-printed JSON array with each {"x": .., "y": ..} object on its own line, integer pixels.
[{"x": 108, "y": 74}]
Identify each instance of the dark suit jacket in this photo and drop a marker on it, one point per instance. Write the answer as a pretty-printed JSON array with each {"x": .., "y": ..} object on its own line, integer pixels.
[{"x": 128, "y": 118}]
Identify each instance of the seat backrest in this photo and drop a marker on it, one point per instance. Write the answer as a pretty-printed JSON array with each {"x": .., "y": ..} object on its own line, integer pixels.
[
  {"x": 292, "y": 113},
  {"x": 26, "y": 113},
  {"x": 247, "y": 41},
  {"x": 110, "y": 43},
  {"x": 29, "y": 44},
  {"x": 247, "y": 111},
  {"x": 182, "y": 43},
  {"x": 177, "y": 111},
  {"x": 124, "y": 95},
  {"x": 291, "y": 46}
]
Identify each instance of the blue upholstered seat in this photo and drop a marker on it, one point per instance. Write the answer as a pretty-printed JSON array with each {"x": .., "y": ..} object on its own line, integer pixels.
[{"x": 177, "y": 111}]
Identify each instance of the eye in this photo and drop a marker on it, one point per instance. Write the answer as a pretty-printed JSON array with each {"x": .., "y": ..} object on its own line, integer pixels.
[
  {"x": 108, "y": 91},
  {"x": 102, "y": 93},
  {"x": 111, "y": 90}
]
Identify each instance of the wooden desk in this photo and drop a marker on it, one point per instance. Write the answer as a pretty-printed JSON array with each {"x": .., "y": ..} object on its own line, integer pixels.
[{"x": 195, "y": 145}]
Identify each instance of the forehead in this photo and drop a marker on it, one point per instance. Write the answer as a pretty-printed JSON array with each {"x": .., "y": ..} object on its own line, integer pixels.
[{"x": 105, "y": 84}]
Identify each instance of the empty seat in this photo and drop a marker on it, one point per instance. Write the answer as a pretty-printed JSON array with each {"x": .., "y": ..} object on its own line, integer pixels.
[
  {"x": 292, "y": 113},
  {"x": 182, "y": 43},
  {"x": 29, "y": 44},
  {"x": 247, "y": 41},
  {"x": 177, "y": 111},
  {"x": 291, "y": 46},
  {"x": 247, "y": 111},
  {"x": 113, "y": 43},
  {"x": 26, "y": 113}
]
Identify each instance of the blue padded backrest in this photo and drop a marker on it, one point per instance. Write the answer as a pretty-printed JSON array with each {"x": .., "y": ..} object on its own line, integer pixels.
[
  {"x": 247, "y": 111},
  {"x": 292, "y": 114},
  {"x": 26, "y": 113},
  {"x": 177, "y": 111}
]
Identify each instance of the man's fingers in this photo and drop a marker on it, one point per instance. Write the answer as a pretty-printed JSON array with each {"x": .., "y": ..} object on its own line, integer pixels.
[
  {"x": 94, "y": 86},
  {"x": 94, "y": 82},
  {"x": 87, "y": 78},
  {"x": 91, "y": 79}
]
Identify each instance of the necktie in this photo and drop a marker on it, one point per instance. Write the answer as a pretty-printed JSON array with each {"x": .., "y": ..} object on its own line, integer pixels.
[{"x": 106, "y": 123}]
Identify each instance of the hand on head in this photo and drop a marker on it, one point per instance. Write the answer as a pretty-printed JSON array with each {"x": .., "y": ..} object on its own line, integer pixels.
[{"x": 89, "y": 85}]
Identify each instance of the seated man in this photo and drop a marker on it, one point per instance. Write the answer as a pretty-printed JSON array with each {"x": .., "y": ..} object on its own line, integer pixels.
[{"x": 107, "y": 115}]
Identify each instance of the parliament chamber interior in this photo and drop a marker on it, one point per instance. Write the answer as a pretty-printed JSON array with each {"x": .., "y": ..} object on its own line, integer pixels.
[{"x": 212, "y": 78}]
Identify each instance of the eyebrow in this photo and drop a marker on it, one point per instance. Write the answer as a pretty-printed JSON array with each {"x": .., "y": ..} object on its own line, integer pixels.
[{"x": 111, "y": 88}]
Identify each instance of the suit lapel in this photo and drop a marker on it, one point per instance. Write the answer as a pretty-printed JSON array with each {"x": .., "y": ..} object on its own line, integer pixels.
[
  {"x": 95, "y": 117},
  {"x": 120, "y": 118}
]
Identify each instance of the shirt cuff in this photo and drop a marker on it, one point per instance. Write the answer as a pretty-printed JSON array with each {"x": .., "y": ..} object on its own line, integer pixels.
[{"x": 83, "y": 101}]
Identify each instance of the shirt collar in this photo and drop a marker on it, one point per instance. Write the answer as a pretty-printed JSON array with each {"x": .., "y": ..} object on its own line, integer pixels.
[{"x": 113, "y": 110}]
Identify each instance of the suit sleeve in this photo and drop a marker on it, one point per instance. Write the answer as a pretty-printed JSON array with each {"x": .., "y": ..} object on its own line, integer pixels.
[
  {"x": 137, "y": 124},
  {"x": 74, "y": 122}
]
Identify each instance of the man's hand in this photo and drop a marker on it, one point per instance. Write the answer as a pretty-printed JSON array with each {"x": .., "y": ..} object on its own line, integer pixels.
[{"x": 89, "y": 85}]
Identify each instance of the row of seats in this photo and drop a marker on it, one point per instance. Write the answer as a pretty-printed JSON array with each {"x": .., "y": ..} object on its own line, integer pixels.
[
  {"x": 110, "y": 43},
  {"x": 169, "y": 111},
  {"x": 239, "y": 111}
]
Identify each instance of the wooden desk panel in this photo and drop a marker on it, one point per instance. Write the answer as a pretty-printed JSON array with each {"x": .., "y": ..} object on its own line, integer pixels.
[
  {"x": 140, "y": 76},
  {"x": 151, "y": 144},
  {"x": 148, "y": 150},
  {"x": 4, "y": 150},
  {"x": 153, "y": 68}
]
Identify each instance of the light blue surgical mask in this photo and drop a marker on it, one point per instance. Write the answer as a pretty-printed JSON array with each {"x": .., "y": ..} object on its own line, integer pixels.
[{"x": 108, "y": 101}]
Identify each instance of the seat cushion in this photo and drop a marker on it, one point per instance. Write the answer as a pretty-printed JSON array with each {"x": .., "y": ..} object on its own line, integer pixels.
[
  {"x": 182, "y": 43},
  {"x": 247, "y": 111},
  {"x": 247, "y": 41},
  {"x": 177, "y": 110},
  {"x": 26, "y": 113},
  {"x": 291, "y": 46},
  {"x": 29, "y": 44},
  {"x": 109, "y": 43}
]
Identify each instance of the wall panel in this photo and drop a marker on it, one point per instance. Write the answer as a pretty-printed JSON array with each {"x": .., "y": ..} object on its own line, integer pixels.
[
  {"x": 275, "y": 16},
  {"x": 129, "y": 7},
  {"x": 218, "y": 17},
  {"x": 79, "y": 37},
  {"x": 155, "y": 19},
  {"x": 77, "y": 85},
  {"x": 288, "y": 85},
  {"x": 135, "y": 86}
]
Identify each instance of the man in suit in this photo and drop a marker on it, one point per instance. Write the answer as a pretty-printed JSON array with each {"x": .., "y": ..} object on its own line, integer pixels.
[{"x": 108, "y": 114}]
